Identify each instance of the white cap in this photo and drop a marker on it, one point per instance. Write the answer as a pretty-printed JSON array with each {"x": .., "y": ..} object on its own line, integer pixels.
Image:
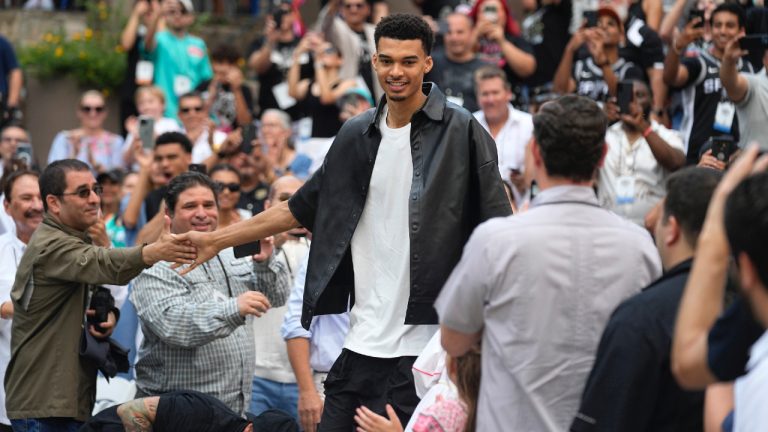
[{"x": 187, "y": 4}]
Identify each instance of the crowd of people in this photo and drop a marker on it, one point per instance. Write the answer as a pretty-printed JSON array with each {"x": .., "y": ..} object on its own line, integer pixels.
[{"x": 456, "y": 221}]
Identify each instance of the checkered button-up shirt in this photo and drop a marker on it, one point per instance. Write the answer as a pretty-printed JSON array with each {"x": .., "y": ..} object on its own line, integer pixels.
[{"x": 194, "y": 336}]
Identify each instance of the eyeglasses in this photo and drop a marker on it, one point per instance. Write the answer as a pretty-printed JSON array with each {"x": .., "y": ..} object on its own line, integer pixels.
[
  {"x": 87, "y": 108},
  {"x": 330, "y": 50},
  {"x": 233, "y": 187},
  {"x": 354, "y": 5},
  {"x": 186, "y": 110},
  {"x": 85, "y": 192}
]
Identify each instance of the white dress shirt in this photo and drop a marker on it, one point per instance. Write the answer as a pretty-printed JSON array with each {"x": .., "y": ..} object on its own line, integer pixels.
[{"x": 11, "y": 250}]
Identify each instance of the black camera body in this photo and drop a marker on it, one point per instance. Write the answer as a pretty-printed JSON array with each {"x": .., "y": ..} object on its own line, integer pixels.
[{"x": 103, "y": 303}]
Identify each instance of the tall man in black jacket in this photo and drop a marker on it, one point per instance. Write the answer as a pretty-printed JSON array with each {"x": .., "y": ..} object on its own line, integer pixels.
[{"x": 398, "y": 195}]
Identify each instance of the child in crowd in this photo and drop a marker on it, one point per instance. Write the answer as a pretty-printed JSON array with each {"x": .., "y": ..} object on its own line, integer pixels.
[
  {"x": 150, "y": 103},
  {"x": 447, "y": 414}
]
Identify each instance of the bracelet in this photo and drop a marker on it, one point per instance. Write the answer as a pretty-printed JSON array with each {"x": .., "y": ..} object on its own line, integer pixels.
[{"x": 647, "y": 132}]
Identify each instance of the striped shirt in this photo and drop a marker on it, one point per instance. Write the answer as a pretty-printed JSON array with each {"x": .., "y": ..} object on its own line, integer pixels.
[{"x": 194, "y": 336}]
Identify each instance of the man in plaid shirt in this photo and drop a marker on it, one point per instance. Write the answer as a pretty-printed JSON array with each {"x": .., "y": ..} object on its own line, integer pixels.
[{"x": 197, "y": 327}]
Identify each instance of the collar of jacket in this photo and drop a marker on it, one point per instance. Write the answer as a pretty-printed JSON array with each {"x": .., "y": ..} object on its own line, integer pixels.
[
  {"x": 433, "y": 108},
  {"x": 55, "y": 223}
]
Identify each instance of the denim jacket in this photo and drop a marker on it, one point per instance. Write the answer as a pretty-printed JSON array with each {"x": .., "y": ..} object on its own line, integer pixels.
[{"x": 455, "y": 186}]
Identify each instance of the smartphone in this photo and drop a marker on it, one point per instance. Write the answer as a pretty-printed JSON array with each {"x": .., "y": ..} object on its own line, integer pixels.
[
  {"x": 249, "y": 134},
  {"x": 625, "y": 94},
  {"x": 754, "y": 43},
  {"x": 248, "y": 249},
  {"x": 147, "y": 132},
  {"x": 696, "y": 13},
  {"x": 491, "y": 13},
  {"x": 590, "y": 18},
  {"x": 198, "y": 168},
  {"x": 24, "y": 153},
  {"x": 721, "y": 148}
]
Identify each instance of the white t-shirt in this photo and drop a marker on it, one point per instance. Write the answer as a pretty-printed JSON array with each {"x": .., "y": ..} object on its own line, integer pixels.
[
  {"x": 381, "y": 257},
  {"x": 750, "y": 390},
  {"x": 201, "y": 149}
]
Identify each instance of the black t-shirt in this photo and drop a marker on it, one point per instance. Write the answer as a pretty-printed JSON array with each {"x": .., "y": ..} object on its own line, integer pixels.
[
  {"x": 223, "y": 108},
  {"x": 456, "y": 80},
  {"x": 701, "y": 95},
  {"x": 644, "y": 47},
  {"x": 589, "y": 77},
  {"x": 547, "y": 31},
  {"x": 325, "y": 118},
  {"x": 253, "y": 200},
  {"x": 281, "y": 58},
  {"x": 490, "y": 52},
  {"x": 439, "y": 9},
  {"x": 153, "y": 200},
  {"x": 364, "y": 67},
  {"x": 631, "y": 387},
  {"x": 730, "y": 339}
]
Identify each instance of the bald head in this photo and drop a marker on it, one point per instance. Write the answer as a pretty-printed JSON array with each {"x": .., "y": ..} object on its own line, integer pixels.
[{"x": 283, "y": 188}]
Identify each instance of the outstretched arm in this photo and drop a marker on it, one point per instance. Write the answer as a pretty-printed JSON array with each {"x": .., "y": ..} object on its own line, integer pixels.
[{"x": 274, "y": 220}]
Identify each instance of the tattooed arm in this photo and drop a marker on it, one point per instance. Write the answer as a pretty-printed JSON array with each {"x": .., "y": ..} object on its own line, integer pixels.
[{"x": 138, "y": 415}]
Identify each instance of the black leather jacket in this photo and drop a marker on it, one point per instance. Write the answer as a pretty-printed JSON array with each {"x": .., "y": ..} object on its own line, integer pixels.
[{"x": 455, "y": 186}]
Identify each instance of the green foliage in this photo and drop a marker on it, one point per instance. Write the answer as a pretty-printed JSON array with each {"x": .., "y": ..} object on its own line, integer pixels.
[{"x": 94, "y": 57}]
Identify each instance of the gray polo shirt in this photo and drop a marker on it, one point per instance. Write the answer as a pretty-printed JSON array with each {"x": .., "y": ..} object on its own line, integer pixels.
[
  {"x": 541, "y": 286},
  {"x": 751, "y": 111}
]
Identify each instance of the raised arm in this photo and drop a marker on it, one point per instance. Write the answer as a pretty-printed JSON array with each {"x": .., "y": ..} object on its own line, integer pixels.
[
  {"x": 702, "y": 299},
  {"x": 735, "y": 84}
]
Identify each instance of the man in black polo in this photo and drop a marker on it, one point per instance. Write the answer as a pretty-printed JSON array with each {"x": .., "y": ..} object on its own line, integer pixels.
[
  {"x": 397, "y": 197},
  {"x": 631, "y": 387}
]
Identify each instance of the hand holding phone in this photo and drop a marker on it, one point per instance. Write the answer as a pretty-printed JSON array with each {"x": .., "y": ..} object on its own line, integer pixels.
[
  {"x": 147, "y": 132},
  {"x": 625, "y": 96}
]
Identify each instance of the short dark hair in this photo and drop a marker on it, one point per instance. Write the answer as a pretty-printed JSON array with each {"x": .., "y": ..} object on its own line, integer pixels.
[
  {"x": 570, "y": 132},
  {"x": 174, "y": 138},
  {"x": 185, "y": 181},
  {"x": 11, "y": 179},
  {"x": 225, "y": 167},
  {"x": 730, "y": 7},
  {"x": 405, "y": 27},
  {"x": 689, "y": 191},
  {"x": 53, "y": 181},
  {"x": 190, "y": 95},
  {"x": 746, "y": 222},
  {"x": 225, "y": 53}
]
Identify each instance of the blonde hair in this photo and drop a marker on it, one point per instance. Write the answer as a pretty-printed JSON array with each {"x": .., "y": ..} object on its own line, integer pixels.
[
  {"x": 92, "y": 92},
  {"x": 149, "y": 90}
]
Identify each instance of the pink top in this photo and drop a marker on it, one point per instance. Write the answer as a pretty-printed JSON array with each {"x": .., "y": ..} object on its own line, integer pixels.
[{"x": 446, "y": 415}]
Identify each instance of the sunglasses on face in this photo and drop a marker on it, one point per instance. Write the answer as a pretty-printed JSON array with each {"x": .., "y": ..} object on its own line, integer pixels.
[
  {"x": 187, "y": 110},
  {"x": 98, "y": 109},
  {"x": 233, "y": 187},
  {"x": 85, "y": 192}
]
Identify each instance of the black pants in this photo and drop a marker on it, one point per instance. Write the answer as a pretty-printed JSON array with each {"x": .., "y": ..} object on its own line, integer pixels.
[{"x": 356, "y": 380}]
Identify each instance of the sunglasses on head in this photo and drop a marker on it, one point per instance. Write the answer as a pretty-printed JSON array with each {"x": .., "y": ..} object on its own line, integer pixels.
[
  {"x": 186, "y": 110},
  {"x": 87, "y": 108},
  {"x": 233, "y": 187},
  {"x": 85, "y": 192}
]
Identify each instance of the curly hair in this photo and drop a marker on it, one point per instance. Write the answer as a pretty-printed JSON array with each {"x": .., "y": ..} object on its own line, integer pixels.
[
  {"x": 570, "y": 132},
  {"x": 405, "y": 27}
]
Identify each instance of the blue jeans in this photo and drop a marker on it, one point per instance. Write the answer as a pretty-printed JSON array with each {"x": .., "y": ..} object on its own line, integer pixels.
[
  {"x": 53, "y": 424},
  {"x": 268, "y": 394}
]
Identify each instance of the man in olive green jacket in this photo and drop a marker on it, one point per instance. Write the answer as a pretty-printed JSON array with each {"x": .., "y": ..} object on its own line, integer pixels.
[{"x": 48, "y": 385}]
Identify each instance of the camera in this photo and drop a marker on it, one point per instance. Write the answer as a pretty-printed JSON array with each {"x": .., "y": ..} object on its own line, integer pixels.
[{"x": 102, "y": 302}]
